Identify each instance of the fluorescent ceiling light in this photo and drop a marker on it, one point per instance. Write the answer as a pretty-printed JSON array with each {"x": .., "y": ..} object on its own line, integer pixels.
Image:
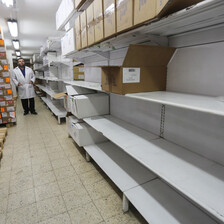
[
  {"x": 13, "y": 27},
  {"x": 18, "y": 54},
  {"x": 16, "y": 44},
  {"x": 8, "y": 3}
]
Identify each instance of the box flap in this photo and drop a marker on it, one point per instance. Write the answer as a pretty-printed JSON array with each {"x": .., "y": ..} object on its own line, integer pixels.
[
  {"x": 59, "y": 95},
  {"x": 175, "y": 5},
  {"x": 147, "y": 55}
]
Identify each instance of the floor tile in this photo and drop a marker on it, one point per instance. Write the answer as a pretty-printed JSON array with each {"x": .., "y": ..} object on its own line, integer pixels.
[
  {"x": 50, "y": 207},
  {"x": 126, "y": 218},
  {"x": 91, "y": 177},
  {"x": 44, "y": 178},
  {"x": 99, "y": 189},
  {"x": 64, "y": 172},
  {"x": 55, "y": 148},
  {"x": 58, "y": 219},
  {"x": 42, "y": 168},
  {"x": 83, "y": 167},
  {"x": 76, "y": 198},
  {"x": 25, "y": 215},
  {"x": 21, "y": 173},
  {"x": 59, "y": 163},
  {"x": 5, "y": 176},
  {"x": 40, "y": 160},
  {"x": 69, "y": 184},
  {"x": 3, "y": 206},
  {"x": 57, "y": 155},
  {"x": 21, "y": 199},
  {"x": 87, "y": 213},
  {"x": 4, "y": 190},
  {"x": 21, "y": 184},
  {"x": 2, "y": 218},
  {"x": 109, "y": 206},
  {"x": 47, "y": 191}
]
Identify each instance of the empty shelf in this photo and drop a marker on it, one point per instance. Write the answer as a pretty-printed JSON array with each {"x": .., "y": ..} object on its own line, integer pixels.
[
  {"x": 159, "y": 204},
  {"x": 122, "y": 169},
  {"x": 212, "y": 105}
]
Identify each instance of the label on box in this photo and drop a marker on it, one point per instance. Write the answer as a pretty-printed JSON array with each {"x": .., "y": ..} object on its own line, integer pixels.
[
  {"x": 81, "y": 76},
  {"x": 4, "y": 114},
  {"x": 81, "y": 69},
  {"x": 5, "y": 74},
  {"x": 8, "y": 97},
  {"x": 131, "y": 75},
  {"x": 10, "y": 109}
]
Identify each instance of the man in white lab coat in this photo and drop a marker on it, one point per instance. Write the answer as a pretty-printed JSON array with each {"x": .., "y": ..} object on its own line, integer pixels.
[{"x": 24, "y": 78}]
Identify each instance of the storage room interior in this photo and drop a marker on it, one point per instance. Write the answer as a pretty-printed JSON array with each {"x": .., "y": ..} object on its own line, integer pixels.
[{"x": 111, "y": 112}]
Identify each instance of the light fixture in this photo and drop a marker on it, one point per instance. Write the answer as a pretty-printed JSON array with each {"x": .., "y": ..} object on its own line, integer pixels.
[
  {"x": 16, "y": 44},
  {"x": 18, "y": 54},
  {"x": 13, "y": 27},
  {"x": 8, "y": 3}
]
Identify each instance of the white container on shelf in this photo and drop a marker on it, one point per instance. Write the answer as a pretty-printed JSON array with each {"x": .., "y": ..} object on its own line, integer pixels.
[
  {"x": 90, "y": 105},
  {"x": 82, "y": 133}
]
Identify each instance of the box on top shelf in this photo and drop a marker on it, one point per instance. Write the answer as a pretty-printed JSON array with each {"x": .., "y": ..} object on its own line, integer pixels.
[
  {"x": 166, "y": 7},
  {"x": 90, "y": 25},
  {"x": 84, "y": 37},
  {"x": 98, "y": 18},
  {"x": 68, "y": 42},
  {"x": 125, "y": 17},
  {"x": 79, "y": 3},
  {"x": 144, "y": 69},
  {"x": 78, "y": 42},
  {"x": 109, "y": 17},
  {"x": 90, "y": 105},
  {"x": 144, "y": 10}
]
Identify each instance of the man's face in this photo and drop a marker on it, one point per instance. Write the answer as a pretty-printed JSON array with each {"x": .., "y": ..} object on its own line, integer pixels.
[{"x": 21, "y": 63}]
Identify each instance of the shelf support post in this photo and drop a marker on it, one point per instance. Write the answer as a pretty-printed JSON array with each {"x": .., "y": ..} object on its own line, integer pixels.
[{"x": 125, "y": 206}]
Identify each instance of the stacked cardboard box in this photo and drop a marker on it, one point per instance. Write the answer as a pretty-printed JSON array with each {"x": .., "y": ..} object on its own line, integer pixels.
[
  {"x": 106, "y": 18},
  {"x": 78, "y": 72},
  {"x": 7, "y": 105}
]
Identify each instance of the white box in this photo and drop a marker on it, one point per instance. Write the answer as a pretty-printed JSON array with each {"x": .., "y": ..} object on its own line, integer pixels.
[
  {"x": 82, "y": 133},
  {"x": 90, "y": 105},
  {"x": 74, "y": 91},
  {"x": 68, "y": 42}
]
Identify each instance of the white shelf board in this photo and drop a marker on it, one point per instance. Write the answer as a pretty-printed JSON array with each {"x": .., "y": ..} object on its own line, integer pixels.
[
  {"x": 84, "y": 84},
  {"x": 203, "y": 15},
  {"x": 59, "y": 63},
  {"x": 212, "y": 105},
  {"x": 123, "y": 170},
  {"x": 120, "y": 132},
  {"x": 49, "y": 78},
  {"x": 159, "y": 204},
  {"x": 198, "y": 178},
  {"x": 58, "y": 110},
  {"x": 50, "y": 92}
]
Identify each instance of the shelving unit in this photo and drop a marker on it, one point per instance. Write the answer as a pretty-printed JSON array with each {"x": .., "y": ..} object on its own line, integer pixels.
[{"x": 188, "y": 181}]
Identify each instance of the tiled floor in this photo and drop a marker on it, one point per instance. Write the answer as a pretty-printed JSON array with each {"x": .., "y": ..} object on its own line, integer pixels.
[{"x": 45, "y": 179}]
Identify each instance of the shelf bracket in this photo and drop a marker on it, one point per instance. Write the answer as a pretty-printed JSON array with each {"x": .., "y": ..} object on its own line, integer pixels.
[
  {"x": 162, "y": 121},
  {"x": 158, "y": 40},
  {"x": 103, "y": 54}
]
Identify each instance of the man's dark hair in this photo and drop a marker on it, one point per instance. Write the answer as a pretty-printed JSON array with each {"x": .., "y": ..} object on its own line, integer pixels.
[{"x": 20, "y": 58}]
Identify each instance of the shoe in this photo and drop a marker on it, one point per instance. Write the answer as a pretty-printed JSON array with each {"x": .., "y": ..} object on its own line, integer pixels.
[
  {"x": 35, "y": 113},
  {"x": 25, "y": 113}
]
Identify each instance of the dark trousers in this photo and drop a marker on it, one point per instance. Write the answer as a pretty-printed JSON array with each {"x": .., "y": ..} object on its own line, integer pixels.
[{"x": 30, "y": 107}]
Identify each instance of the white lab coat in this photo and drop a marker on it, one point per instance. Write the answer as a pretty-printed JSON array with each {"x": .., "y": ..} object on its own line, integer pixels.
[{"x": 25, "y": 91}]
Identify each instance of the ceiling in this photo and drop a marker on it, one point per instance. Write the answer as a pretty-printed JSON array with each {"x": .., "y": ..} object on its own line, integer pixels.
[{"x": 36, "y": 22}]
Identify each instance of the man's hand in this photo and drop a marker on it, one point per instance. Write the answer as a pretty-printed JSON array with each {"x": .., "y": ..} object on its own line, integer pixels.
[
  {"x": 20, "y": 84},
  {"x": 31, "y": 82}
]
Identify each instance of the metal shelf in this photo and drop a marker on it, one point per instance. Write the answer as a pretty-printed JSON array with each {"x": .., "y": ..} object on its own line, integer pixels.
[{"x": 205, "y": 104}]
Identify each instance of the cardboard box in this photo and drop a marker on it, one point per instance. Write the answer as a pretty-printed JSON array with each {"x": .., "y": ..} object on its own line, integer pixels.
[
  {"x": 2, "y": 55},
  {"x": 125, "y": 17},
  {"x": 78, "y": 72},
  {"x": 79, "y": 3},
  {"x": 78, "y": 33},
  {"x": 98, "y": 18},
  {"x": 90, "y": 105},
  {"x": 166, "y": 7},
  {"x": 83, "y": 134},
  {"x": 109, "y": 17},
  {"x": 2, "y": 42},
  {"x": 83, "y": 23},
  {"x": 90, "y": 25},
  {"x": 144, "y": 69},
  {"x": 144, "y": 10}
]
